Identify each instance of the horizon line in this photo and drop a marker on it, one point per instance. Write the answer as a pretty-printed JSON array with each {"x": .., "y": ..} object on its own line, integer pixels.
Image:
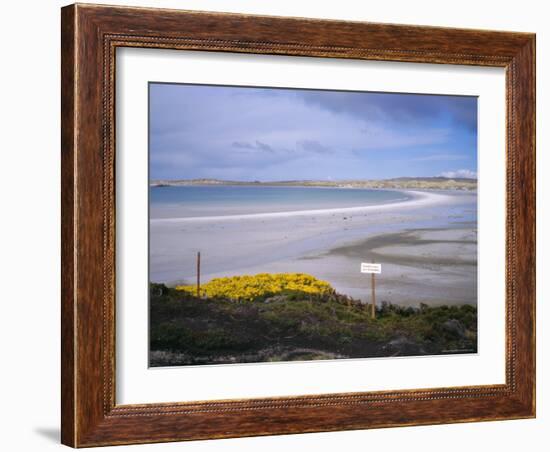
[{"x": 252, "y": 181}]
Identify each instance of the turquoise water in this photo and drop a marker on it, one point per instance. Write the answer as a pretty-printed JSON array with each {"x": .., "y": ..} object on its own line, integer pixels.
[{"x": 197, "y": 201}]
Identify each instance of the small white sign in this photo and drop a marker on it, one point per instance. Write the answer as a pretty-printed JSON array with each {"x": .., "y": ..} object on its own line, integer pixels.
[{"x": 371, "y": 268}]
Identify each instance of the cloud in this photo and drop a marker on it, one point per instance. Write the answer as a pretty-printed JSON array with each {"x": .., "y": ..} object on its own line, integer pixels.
[
  {"x": 263, "y": 146},
  {"x": 314, "y": 146},
  {"x": 257, "y": 146},
  {"x": 439, "y": 158},
  {"x": 402, "y": 108},
  {"x": 461, "y": 173},
  {"x": 238, "y": 133},
  {"x": 242, "y": 145},
  {"x": 290, "y": 151}
]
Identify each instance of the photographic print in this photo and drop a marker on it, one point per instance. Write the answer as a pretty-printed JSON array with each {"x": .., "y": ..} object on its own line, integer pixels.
[{"x": 301, "y": 224}]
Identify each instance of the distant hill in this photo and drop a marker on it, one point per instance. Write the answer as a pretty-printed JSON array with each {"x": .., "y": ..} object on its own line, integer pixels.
[
  {"x": 434, "y": 179},
  {"x": 426, "y": 183}
]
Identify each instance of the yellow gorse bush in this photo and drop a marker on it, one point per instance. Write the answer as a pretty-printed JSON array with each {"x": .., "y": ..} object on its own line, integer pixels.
[{"x": 250, "y": 287}]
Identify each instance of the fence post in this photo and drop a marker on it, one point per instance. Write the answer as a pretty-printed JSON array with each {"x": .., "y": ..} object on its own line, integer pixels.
[
  {"x": 198, "y": 274},
  {"x": 373, "y": 306}
]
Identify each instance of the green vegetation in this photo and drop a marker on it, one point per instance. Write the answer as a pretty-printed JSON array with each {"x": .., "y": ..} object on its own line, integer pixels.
[{"x": 292, "y": 324}]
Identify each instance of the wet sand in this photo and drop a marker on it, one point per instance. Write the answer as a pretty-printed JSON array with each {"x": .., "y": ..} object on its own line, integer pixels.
[{"x": 432, "y": 266}]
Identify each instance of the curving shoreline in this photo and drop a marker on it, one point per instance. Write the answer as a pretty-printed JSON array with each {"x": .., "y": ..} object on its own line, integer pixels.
[
  {"x": 425, "y": 241},
  {"x": 418, "y": 199}
]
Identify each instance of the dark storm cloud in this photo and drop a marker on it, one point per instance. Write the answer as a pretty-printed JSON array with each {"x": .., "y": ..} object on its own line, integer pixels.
[{"x": 408, "y": 108}]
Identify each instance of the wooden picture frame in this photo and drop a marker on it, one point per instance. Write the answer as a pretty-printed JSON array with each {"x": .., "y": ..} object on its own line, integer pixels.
[{"x": 90, "y": 36}]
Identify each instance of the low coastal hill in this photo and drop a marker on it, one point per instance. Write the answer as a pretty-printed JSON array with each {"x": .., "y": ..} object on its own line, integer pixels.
[{"x": 424, "y": 183}]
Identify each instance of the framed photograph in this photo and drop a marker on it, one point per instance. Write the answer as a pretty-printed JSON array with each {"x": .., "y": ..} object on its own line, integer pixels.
[{"x": 282, "y": 225}]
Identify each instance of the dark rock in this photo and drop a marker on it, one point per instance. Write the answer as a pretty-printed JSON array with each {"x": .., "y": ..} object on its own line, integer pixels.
[
  {"x": 403, "y": 346},
  {"x": 454, "y": 328}
]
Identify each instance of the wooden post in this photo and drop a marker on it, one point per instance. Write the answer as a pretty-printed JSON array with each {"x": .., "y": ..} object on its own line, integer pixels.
[
  {"x": 373, "y": 295},
  {"x": 372, "y": 268},
  {"x": 199, "y": 274}
]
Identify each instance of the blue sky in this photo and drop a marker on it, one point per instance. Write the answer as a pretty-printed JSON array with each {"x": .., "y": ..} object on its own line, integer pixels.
[{"x": 243, "y": 133}]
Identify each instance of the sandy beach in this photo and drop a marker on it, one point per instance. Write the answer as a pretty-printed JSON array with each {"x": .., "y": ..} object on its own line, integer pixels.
[{"x": 427, "y": 247}]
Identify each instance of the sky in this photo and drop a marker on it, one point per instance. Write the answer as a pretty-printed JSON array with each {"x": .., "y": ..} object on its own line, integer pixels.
[{"x": 268, "y": 134}]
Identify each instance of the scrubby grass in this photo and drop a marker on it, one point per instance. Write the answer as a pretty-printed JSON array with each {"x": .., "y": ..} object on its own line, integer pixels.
[{"x": 292, "y": 324}]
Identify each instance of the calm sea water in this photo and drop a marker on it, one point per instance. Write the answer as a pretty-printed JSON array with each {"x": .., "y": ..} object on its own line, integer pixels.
[{"x": 195, "y": 201}]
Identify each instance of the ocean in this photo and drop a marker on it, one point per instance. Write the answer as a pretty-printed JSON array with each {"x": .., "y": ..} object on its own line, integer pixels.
[{"x": 208, "y": 201}]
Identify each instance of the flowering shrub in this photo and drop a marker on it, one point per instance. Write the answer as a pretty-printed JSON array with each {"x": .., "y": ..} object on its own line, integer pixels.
[{"x": 251, "y": 287}]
